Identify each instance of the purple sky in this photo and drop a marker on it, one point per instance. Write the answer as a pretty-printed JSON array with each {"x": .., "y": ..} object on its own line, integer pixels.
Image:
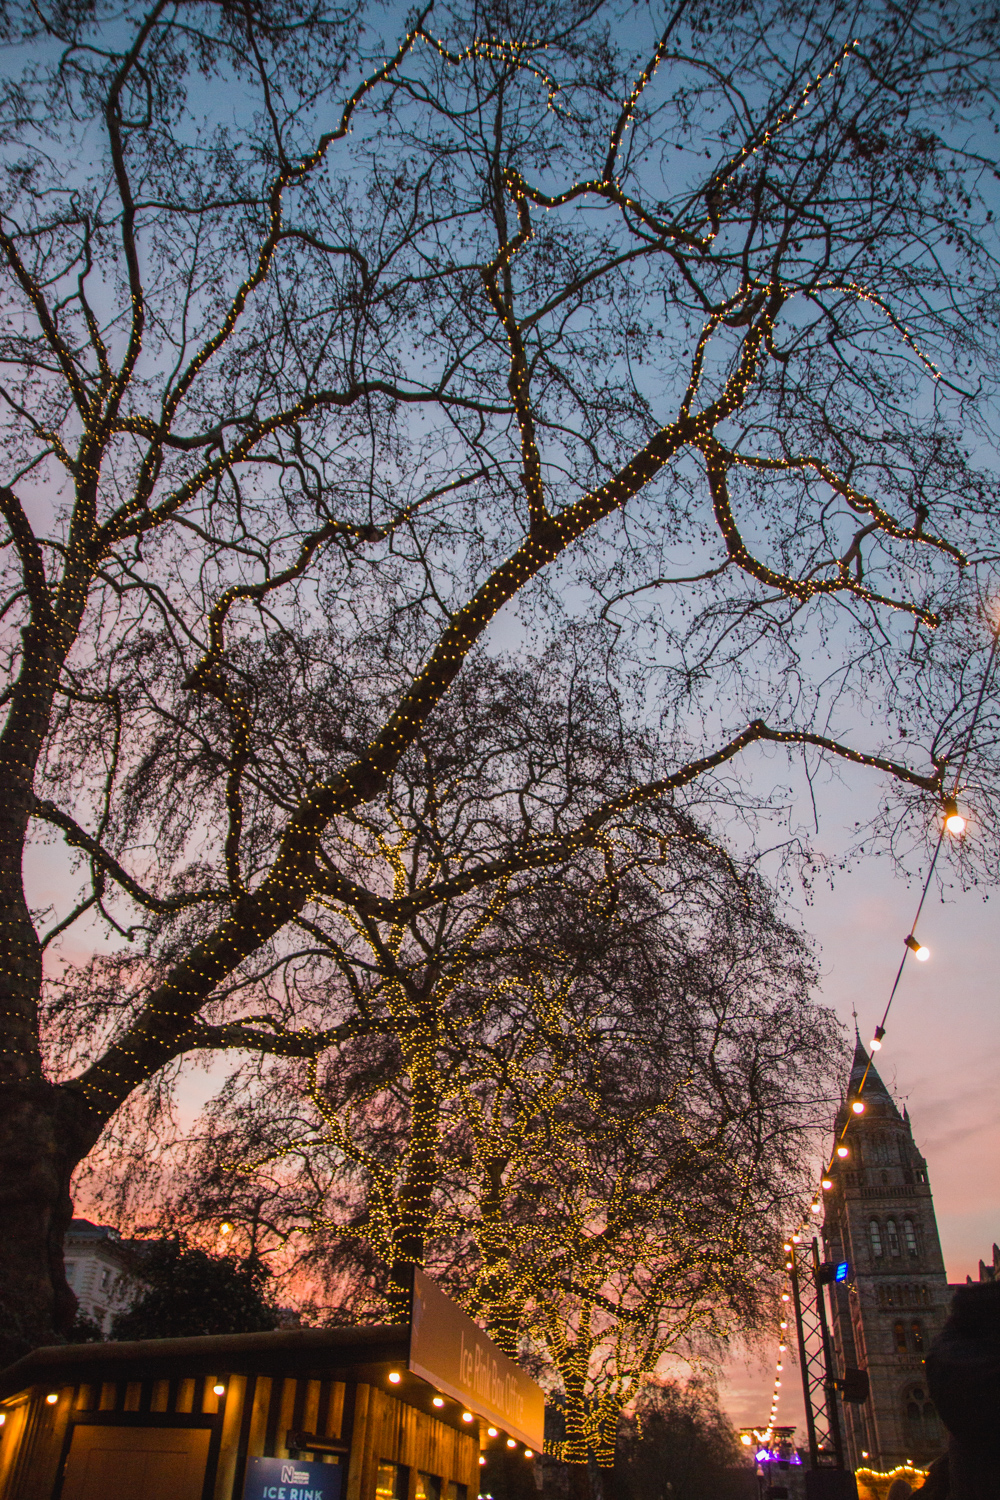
[{"x": 940, "y": 1057}]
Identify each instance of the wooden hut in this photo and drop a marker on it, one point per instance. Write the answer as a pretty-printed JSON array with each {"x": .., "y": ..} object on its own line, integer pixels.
[{"x": 394, "y": 1413}]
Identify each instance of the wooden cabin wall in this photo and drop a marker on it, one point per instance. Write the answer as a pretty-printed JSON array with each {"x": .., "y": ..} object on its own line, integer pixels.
[
  {"x": 252, "y": 1419},
  {"x": 390, "y": 1430}
]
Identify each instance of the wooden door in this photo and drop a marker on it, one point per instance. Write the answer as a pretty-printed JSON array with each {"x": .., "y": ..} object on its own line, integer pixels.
[{"x": 136, "y": 1463}]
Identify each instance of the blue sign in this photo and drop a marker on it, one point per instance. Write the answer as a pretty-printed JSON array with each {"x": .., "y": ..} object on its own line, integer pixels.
[
  {"x": 291, "y": 1479},
  {"x": 842, "y": 1272}
]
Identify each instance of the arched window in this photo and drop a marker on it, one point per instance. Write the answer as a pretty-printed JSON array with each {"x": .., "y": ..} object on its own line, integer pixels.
[
  {"x": 892, "y": 1236},
  {"x": 875, "y": 1236},
  {"x": 910, "y": 1236},
  {"x": 900, "y": 1335},
  {"x": 917, "y": 1329},
  {"x": 921, "y": 1418}
]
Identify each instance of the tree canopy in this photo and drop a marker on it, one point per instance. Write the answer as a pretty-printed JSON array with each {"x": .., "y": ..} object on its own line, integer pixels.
[{"x": 659, "y": 343}]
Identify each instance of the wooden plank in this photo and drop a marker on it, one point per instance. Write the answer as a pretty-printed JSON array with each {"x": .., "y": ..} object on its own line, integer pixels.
[{"x": 232, "y": 1416}]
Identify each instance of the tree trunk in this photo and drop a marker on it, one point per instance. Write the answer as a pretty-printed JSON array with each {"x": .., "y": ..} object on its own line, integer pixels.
[{"x": 40, "y": 1145}]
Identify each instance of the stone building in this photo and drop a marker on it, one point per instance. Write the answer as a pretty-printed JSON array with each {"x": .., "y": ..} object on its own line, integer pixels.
[
  {"x": 879, "y": 1216},
  {"x": 95, "y": 1269}
]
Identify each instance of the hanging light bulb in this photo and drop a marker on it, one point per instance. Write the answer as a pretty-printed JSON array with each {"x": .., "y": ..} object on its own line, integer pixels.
[
  {"x": 858, "y": 1107},
  {"x": 815, "y": 1207},
  {"x": 826, "y": 1184},
  {"x": 954, "y": 822},
  {"x": 918, "y": 950}
]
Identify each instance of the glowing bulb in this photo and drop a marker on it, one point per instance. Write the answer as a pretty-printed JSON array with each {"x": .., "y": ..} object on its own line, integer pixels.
[
  {"x": 826, "y": 1184},
  {"x": 466, "y": 1416},
  {"x": 954, "y": 822},
  {"x": 481, "y": 1459},
  {"x": 225, "y": 1228},
  {"x": 219, "y": 1388},
  {"x": 492, "y": 1431},
  {"x": 52, "y": 1397},
  {"x": 511, "y": 1443},
  {"x": 876, "y": 1044},
  {"x": 528, "y": 1453},
  {"x": 796, "y": 1239},
  {"x": 920, "y": 953},
  {"x": 858, "y": 1107},
  {"x": 814, "y": 1208},
  {"x": 394, "y": 1377},
  {"x": 786, "y": 1247},
  {"x": 438, "y": 1401},
  {"x": 843, "y": 1151},
  {"x": 785, "y": 1297}
]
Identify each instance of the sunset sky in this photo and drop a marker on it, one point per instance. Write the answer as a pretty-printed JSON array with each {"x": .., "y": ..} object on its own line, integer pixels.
[{"x": 940, "y": 1057}]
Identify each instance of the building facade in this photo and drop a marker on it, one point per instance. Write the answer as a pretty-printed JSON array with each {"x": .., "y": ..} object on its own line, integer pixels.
[
  {"x": 879, "y": 1216},
  {"x": 95, "y": 1269}
]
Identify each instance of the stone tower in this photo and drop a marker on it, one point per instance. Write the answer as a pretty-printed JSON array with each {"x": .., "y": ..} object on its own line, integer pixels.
[{"x": 879, "y": 1216}]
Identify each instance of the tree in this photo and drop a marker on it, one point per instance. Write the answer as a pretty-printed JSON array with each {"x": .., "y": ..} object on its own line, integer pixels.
[
  {"x": 184, "y": 1292},
  {"x": 583, "y": 1103},
  {"x": 676, "y": 1444},
  {"x": 686, "y": 361}
]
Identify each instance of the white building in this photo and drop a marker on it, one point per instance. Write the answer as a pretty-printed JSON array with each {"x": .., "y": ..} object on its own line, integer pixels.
[{"x": 95, "y": 1263}]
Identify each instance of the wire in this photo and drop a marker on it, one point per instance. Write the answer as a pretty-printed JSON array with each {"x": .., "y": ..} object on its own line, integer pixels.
[{"x": 880, "y": 1028}]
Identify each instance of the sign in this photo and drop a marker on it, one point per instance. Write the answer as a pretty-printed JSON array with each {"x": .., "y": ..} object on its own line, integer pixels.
[
  {"x": 290, "y": 1479},
  {"x": 450, "y": 1351}
]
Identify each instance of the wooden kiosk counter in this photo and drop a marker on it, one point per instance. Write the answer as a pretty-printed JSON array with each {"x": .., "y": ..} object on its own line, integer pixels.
[{"x": 394, "y": 1413}]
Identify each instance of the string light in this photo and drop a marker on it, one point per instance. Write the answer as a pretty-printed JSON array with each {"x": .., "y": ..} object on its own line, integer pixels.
[
  {"x": 954, "y": 821},
  {"x": 286, "y": 891}
]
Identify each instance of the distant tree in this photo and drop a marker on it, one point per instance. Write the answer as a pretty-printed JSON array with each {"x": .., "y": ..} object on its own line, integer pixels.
[
  {"x": 85, "y": 1330},
  {"x": 677, "y": 1444},
  {"x": 186, "y": 1291}
]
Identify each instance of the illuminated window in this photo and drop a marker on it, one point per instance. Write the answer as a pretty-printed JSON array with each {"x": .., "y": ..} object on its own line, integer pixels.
[
  {"x": 910, "y": 1236},
  {"x": 428, "y": 1486},
  {"x": 892, "y": 1236},
  {"x": 899, "y": 1333},
  {"x": 391, "y": 1482},
  {"x": 875, "y": 1236}
]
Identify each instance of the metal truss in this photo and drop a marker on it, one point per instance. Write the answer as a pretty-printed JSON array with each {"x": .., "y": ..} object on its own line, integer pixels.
[{"x": 826, "y": 1447}]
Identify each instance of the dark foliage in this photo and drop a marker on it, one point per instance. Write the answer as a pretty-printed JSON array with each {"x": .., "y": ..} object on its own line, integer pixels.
[
  {"x": 188, "y": 1292},
  {"x": 679, "y": 1445}
]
